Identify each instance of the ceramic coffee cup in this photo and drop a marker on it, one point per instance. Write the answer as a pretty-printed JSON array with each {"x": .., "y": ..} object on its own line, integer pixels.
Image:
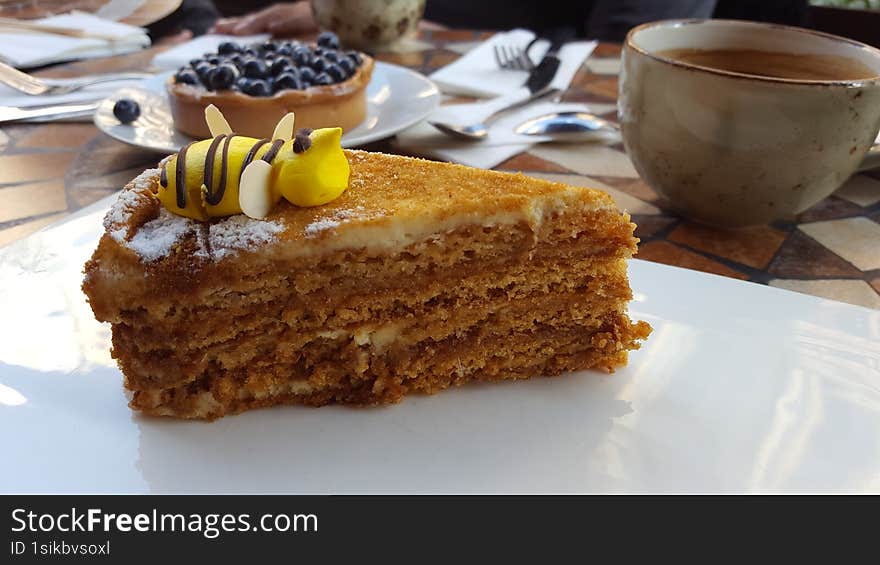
[
  {"x": 733, "y": 149},
  {"x": 369, "y": 24}
]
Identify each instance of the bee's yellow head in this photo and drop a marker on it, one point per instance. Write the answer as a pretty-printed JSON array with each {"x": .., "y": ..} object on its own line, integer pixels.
[{"x": 233, "y": 174}]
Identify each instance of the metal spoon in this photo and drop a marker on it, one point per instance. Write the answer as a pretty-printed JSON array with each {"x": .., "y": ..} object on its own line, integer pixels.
[
  {"x": 568, "y": 126},
  {"x": 479, "y": 131}
]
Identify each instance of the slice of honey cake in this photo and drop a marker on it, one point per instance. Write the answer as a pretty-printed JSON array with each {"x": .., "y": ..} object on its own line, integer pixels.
[{"x": 418, "y": 276}]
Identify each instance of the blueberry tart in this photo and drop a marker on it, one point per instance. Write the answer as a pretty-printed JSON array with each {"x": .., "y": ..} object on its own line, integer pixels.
[{"x": 256, "y": 85}]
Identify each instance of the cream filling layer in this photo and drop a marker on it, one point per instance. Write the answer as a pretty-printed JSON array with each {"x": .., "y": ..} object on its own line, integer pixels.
[{"x": 388, "y": 233}]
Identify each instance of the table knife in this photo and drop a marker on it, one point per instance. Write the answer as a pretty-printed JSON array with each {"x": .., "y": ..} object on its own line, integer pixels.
[
  {"x": 46, "y": 113},
  {"x": 543, "y": 73}
]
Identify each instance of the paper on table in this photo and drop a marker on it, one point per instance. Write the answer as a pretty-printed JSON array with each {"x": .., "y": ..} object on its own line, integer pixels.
[
  {"x": 477, "y": 74},
  {"x": 116, "y": 10},
  {"x": 502, "y": 143},
  {"x": 32, "y": 49},
  {"x": 182, "y": 54}
]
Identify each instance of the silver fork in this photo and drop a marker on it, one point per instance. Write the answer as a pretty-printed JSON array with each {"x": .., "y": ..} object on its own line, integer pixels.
[
  {"x": 512, "y": 58},
  {"x": 28, "y": 84}
]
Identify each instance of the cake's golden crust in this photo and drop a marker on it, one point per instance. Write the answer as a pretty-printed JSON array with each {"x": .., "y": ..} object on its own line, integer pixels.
[
  {"x": 336, "y": 105},
  {"x": 476, "y": 275}
]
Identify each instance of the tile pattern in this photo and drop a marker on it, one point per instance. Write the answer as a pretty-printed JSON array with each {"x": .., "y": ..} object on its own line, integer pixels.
[
  {"x": 852, "y": 291},
  {"x": 831, "y": 250}
]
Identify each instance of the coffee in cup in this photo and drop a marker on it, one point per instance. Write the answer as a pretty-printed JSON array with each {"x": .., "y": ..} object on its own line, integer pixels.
[{"x": 740, "y": 123}]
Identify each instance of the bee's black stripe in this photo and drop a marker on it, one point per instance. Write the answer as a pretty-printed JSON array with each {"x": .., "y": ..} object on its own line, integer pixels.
[
  {"x": 208, "y": 176},
  {"x": 217, "y": 197},
  {"x": 250, "y": 156},
  {"x": 163, "y": 176},
  {"x": 302, "y": 141},
  {"x": 273, "y": 151},
  {"x": 180, "y": 177},
  {"x": 212, "y": 197}
]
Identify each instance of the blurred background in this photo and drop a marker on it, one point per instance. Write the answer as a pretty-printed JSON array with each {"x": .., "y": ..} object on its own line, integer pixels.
[{"x": 606, "y": 20}]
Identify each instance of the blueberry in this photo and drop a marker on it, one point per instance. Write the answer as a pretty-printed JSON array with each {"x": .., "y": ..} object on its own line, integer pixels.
[
  {"x": 279, "y": 66},
  {"x": 236, "y": 60},
  {"x": 287, "y": 81},
  {"x": 215, "y": 60},
  {"x": 269, "y": 46},
  {"x": 254, "y": 68},
  {"x": 355, "y": 57},
  {"x": 194, "y": 62},
  {"x": 286, "y": 49},
  {"x": 335, "y": 72},
  {"x": 322, "y": 79},
  {"x": 228, "y": 48},
  {"x": 252, "y": 52},
  {"x": 332, "y": 56},
  {"x": 347, "y": 65},
  {"x": 126, "y": 111},
  {"x": 223, "y": 77},
  {"x": 256, "y": 87},
  {"x": 202, "y": 69},
  {"x": 319, "y": 51},
  {"x": 328, "y": 39},
  {"x": 186, "y": 76},
  {"x": 320, "y": 64},
  {"x": 307, "y": 74},
  {"x": 302, "y": 56}
]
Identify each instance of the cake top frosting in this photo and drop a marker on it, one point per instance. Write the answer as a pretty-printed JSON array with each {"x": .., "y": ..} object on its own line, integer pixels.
[{"x": 391, "y": 201}]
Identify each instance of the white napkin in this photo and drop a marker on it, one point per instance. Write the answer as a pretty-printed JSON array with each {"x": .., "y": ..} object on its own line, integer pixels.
[
  {"x": 477, "y": 74},
  {"x": 502, "y": 143},
  {"x": 116, "y": 10},
  {"x": 182, "y": 54},
  {"x": 32, "y": 49}
]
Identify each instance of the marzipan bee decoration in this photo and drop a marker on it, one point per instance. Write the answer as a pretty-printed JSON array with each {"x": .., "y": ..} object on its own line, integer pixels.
[{"x": 232, "y": 174}]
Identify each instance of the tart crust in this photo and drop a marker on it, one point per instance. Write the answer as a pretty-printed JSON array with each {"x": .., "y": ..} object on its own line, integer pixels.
[{"x": 337, "y": 105}]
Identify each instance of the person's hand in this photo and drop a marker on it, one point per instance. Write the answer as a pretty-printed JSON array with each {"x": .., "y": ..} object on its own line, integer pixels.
[
  {"x": 170, "y": 40},
  {"x": 288, "y": 19}
]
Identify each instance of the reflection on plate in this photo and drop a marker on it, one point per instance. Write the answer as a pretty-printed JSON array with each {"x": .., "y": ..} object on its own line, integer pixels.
[
  {"x": 396, "y": 99},
  {"x": 741, "y": 388}
]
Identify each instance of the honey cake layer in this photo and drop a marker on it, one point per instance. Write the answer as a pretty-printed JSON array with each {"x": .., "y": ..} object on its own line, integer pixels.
[
  {"x": 118, "y": 280},
  {"x": 545, "y": 351},
  {"x": 221, "y": 315},
  {"x": 152, "y": 362}
]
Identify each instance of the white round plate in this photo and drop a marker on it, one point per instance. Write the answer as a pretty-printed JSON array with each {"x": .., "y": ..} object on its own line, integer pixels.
[{"x": 396, "y": 99}]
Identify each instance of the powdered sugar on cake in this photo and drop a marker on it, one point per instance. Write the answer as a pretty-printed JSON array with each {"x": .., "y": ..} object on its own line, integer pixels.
[
  {"x": 240, "y": 232},
  {"x": 158, "y": 237},
  {"x": 117, "y": 218},
  {"x": 338, "y": 218}
]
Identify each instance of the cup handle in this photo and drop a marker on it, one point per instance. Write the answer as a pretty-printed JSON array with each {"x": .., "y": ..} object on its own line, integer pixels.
[{"x": 871, "y": 160}]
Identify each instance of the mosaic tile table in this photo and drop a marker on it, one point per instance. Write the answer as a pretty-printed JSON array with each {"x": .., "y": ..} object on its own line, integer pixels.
[{"x": 832, "y": 250}]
